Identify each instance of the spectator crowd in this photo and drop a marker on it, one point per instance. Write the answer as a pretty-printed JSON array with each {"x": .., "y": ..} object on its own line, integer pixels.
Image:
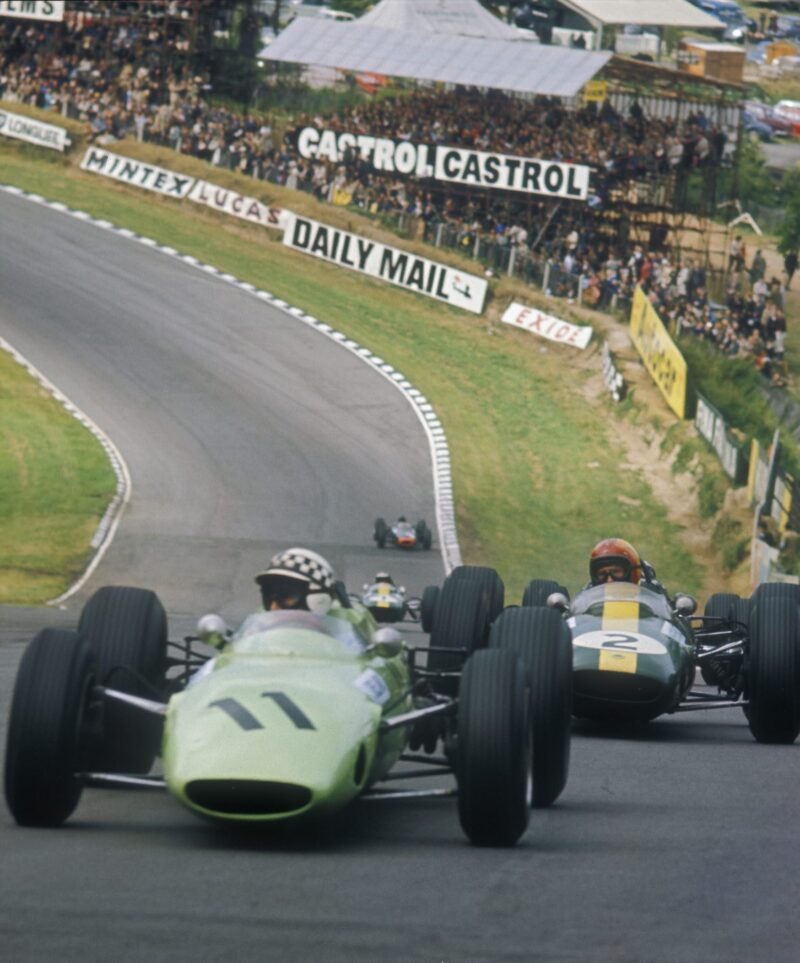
[{"x": 128, "y": 69}]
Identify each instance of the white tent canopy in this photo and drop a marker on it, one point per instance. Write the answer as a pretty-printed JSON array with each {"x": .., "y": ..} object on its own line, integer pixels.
[
  {"x": 519, "y": 66},
  {"x": 467, "y": 18},
  {"x": 645, "y": 13}
]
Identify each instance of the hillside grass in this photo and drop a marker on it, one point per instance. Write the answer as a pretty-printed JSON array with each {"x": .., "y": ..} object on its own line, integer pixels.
[{"x": 538, "y": 476}]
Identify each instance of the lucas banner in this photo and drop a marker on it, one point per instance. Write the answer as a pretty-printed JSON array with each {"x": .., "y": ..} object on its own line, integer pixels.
[
  {"x": 546, "y": 325},
  {"x": 474, "y": 168},
  {"x": 33, "y": 131},
  {"x": 402, "y": 268},
  {"x": 661, "y": 357},
  {"x": 33, "y": 9},
  {"x": 137, "y": 173},
  {"x": 237, "y": 205}
]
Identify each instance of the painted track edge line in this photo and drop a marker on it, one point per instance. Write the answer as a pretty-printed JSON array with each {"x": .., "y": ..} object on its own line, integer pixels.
[
  {"x": 107, "y": 526},
  {"x": 437, "y": 443}
]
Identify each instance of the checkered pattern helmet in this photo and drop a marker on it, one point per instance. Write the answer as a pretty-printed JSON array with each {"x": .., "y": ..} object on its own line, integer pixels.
[{"x": 301, "y": 564}]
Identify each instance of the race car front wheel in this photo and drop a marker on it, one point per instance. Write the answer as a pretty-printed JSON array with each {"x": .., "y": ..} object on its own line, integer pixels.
[
  {"x": 541, "y": 639},
  {"x": 381, "y": 532},
  {"x": 538, "y": 590},
  {"x": 493, "y": 765},
  {"x": 773, "y": 674},
  {"x": 45, "y": 730},
  {"x": 127, "y": 630}
]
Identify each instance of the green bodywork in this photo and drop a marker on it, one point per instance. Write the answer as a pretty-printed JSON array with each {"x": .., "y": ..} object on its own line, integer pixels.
[
  {"x": 286, "y": 720},
  {"x": 633, "y": 656}
]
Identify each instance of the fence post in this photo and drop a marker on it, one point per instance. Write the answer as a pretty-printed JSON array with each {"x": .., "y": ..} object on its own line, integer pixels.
[
  {"x": 439, "y": 228},
  {"x": 476, "y": 250},
  {"x": 546, "y": 277},
  {"x": 512, "y": 259}
]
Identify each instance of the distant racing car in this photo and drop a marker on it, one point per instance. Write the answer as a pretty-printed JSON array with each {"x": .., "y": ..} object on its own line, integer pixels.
[
  {"x": 388, "y": 602},
  {"x": 402, "y": 533},
  {"x": 295, "y": 715}
]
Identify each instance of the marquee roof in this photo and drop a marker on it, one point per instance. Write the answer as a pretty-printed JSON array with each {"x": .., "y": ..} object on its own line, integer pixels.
[{"x": 646, "y": 13}]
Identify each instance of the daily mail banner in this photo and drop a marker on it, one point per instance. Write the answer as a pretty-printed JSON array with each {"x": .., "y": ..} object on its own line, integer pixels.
[
  {"x": 546, "y": 325},
  {"x": 33, "y": 131},
  {"x": 474, "y": 168},
  {"x": 390, "y": 264},
  {"x": 138, "y": 173},
  {"x": 33, "y": 9},
  {"x": 230, "y": 202}
]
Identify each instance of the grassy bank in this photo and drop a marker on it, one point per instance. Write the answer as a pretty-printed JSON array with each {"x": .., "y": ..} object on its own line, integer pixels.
[
  {"x": 55, "y": 483},
  {"x": 538, "y": 474}
]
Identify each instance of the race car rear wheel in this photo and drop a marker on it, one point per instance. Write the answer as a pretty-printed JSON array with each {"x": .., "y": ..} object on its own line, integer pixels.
[
  {"x": 721, "y": 605},
  {"x": 488, "y": 579},
  {"x": 381, "y": 531},
  {"x": 773, "y": 675},
  {"x": 427, "y": 608},
  {"x": 493, "y": 765},
  {"x": 462, "y": 623},
  {"x": 43, "y": 749},
  {"x": 424, "y": 535},
  {"x": 542, "y": 640},
  {"x": 538, "y": 590},
  {"x": 127, "y": 630}
]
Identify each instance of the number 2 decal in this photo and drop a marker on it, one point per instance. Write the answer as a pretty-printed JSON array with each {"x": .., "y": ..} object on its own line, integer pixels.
[
  {"x": 244, "y": 718},
  {"x": 627, "y": 643}
]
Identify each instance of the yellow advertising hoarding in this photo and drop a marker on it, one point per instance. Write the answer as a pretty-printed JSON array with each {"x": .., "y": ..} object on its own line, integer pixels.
[
  {"x": 595, "y": 90},
  {"x": 661, "y": 356}
]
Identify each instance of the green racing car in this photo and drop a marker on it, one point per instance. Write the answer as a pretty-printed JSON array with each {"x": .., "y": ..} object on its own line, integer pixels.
[{"x": 291, "y": 716}]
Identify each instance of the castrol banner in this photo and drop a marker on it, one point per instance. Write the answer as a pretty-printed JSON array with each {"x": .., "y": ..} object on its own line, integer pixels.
[
  {"x": 228, "y": 201},
  {"x": 474, "y": 168},
  {"x": 547, "y": 326}
]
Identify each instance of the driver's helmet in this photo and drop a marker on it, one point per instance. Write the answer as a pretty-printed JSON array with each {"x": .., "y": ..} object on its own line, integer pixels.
[
  {"x": 614, "y": 560},
  {"x": 401, "y": 518},
  {"x": 384, "y": 577},
  {"x": 297, "y": 578}
]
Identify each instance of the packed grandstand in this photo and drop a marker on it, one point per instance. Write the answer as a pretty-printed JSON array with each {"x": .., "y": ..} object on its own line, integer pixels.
[{"x": 134, "y": 70}]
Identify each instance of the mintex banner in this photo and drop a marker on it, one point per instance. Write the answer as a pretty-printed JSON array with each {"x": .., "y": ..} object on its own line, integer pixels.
[
  {"x": 230, "y": 202},
  {"x": 546, "y": 325},
  {"x": 33, "y": 9},
  {"x": 33, "y": 131},
  {"x": 136, "y": 173},
  {"x": 663, "y": 360},
  {"x": 386, "y": 263},
  {"x": 474, "y": 168}
]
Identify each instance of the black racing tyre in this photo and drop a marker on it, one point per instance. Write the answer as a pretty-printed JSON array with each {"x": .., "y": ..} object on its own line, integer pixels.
[
  {"x": 487, "y": 578},
  {"x": 493, "y": 764},
  {"x": 127, "y": 630},
  {"x": 44, "y": 743},
  {"x": 381, "y": 531},
  {"x": 427, "y": 608},
  {"x": 720, "y": 605},
  {"x": 773, "y": 673},
  {"x": 541, "y": 639},
  {"x": 538, "y": 590},
  {"x": 461, "y": 623},
  {"x": 427, "y": 538},
  {"x": 779, "y": 589},
  {"x": 740, "y": 612}
]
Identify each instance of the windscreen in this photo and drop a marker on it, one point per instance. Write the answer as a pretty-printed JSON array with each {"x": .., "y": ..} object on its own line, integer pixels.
[
  {"x": 592, "y": 600},
  {"x": 286, "y": 620}
]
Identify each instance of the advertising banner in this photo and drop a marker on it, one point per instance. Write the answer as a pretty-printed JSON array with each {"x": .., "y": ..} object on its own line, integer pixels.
[
  {"x": 546, "y": 325},
  {"x": 33, "y": 131},
  {"x": 230, "y": 202},
  {"x": 454, "y": 164},
  {"x": 711, "y": 425},
  {"x": 661, "y": 357},
  {"x": 137, "y": 173},
  {"x": 33, "y": 9},
  {"x": 386, "y": 263}
]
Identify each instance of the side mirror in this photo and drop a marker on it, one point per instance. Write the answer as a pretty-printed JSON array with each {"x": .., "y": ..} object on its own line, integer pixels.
[
  {"x": 386, "y": 643},
  {"x": 557, "y": 600},
  {"x": 213, "y": 630},
  {"x": 685, "y": 605}
]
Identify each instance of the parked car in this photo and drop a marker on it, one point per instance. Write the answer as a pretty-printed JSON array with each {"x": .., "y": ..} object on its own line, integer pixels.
[{"x": 765, "y": 114}]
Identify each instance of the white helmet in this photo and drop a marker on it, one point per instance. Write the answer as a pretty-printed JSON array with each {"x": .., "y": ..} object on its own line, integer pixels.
[{"x": 299, "y": 565}]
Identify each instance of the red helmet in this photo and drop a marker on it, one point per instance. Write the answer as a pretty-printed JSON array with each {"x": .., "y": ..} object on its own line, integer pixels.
[{"x": 617, "y": 555}]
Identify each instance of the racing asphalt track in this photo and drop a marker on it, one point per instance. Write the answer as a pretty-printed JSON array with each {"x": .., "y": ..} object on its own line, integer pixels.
[{"x": 245, "y": 431}]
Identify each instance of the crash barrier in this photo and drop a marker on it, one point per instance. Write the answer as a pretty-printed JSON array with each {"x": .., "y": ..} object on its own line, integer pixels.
[
  {"x": 713, "y": 427},
  {"x": 613, "y": 378},
  {"x": 547, "y": 325},
  {"x": 774, "y": 494},
  {"x": 660, "y": 354},
  {"x": 33, "y": 131},
  {"x": 407, "y": 270}
]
